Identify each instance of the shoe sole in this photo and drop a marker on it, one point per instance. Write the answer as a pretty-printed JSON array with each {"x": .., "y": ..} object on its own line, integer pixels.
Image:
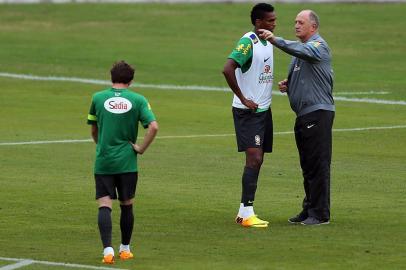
[
  {"x": 125, "y": 259},
  {"x": 321, "y": 223},
  {"x": 294, "y": 222},
  {"x": 256, "y": 226}
]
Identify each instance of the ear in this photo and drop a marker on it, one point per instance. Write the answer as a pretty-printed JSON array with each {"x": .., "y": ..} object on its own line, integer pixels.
[{"x": 257, "y": 22}]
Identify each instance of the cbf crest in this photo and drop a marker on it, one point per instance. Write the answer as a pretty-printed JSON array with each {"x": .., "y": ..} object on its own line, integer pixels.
[{"x": 257, "y": 140}]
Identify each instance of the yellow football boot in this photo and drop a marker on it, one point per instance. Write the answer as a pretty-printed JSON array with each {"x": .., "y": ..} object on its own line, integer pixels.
[
  {"x": 255, "y": 222},
  {"x": 126, "y": 255},
  {"x": 108, "y": 259},
  {"x": 238, "y": 220}
]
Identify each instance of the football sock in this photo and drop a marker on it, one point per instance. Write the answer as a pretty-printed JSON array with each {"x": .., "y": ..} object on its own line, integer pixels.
[
  {"x": 124, "y": 247},
  {"x": 108, "y": 250},
  {"x": 126, "y": 223},
  {"x": 245, "y": 211},
  {"x": 104, "y": 221},
  {"x": 241, "y": 210},
  {"x": 249, "y": 185}
]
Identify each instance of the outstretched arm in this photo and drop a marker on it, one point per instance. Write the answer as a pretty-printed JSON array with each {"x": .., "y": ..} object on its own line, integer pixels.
[{"x": 309, "y": 51}]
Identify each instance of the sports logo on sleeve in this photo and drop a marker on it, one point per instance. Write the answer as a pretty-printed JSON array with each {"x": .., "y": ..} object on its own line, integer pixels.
[
  {"x": 244, "y": 50},
  {"x": 315, "y": 43},
  {"x": 117, "y": 105}
]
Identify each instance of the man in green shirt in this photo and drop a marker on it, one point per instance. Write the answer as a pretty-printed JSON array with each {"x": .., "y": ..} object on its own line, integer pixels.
[{"x": 114, "y": 115}]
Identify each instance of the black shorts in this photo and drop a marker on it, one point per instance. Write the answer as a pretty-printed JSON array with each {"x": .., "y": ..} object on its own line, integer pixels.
[
  {"x": 124, "y": 184},
  {"x": 253, "y": 130}
]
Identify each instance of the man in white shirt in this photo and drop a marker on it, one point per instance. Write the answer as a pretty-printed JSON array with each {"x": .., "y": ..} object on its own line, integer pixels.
[{"x": 249, "y": 74}]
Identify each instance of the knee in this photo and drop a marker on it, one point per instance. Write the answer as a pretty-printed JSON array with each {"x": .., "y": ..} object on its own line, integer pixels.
[
  {"x": 127, "y": 202},
  {"x": 254, "y": 161},
  {"x": 105, "y": 202}
]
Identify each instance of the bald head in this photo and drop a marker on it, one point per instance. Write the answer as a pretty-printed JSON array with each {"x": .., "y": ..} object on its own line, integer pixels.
[{"x": 306, "y": 24}]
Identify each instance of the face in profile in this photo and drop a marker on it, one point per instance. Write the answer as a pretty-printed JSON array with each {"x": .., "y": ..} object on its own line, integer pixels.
[{"x": 268, "y": 22}]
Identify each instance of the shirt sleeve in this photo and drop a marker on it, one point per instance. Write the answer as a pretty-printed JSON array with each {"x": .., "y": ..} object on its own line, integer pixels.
[
  {"x": 146, "y": 114},
  {"x": 312, "y": 51},
  {"x": 242, "y": 53},
  {"x": 91, "y": 117}
]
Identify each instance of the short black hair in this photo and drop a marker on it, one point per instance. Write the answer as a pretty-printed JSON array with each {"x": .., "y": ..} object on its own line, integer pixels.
[
  {"x": 121, "y": 72},
  {"x": 259, "y": 10}
]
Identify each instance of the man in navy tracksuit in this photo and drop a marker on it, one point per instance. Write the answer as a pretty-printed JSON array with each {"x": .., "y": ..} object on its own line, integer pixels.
[{"x": 309, "y": 87}]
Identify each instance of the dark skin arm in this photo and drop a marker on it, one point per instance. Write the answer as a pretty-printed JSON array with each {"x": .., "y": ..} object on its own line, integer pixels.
[
  {"x": 229, "y": 74},
  {"x": 94, "y": 131}
]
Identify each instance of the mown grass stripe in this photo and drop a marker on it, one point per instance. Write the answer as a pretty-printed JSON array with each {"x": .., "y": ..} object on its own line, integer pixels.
[{"x": 192, "y": 87}]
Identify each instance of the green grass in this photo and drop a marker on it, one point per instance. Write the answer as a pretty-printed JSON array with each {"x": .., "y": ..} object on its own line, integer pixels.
[
  {"x": 189, "y": 188},
  {"x": 177, "y": 44}
]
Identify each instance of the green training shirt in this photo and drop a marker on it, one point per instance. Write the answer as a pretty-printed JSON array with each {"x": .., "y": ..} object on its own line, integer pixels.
[
  {"x": 117, "y": 113},
  {"x": 242, "y": 53}
]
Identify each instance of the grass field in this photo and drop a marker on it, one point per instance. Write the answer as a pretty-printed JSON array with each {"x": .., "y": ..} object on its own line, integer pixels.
[{"x": 189, "y": 187}]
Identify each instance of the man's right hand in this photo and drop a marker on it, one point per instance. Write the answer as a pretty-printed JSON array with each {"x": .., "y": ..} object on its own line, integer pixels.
[
  {"x": 250, "y": 104},
  {"x": 283, "y": 86},
  {"x": 266, "y": 34}
]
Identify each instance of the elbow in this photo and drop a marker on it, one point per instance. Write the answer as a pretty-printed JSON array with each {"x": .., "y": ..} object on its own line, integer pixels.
[{"x": 153, "y": 126}]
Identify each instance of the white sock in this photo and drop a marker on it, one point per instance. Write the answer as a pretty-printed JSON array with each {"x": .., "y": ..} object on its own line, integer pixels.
[
  {"x": 248, "y": 211},
  {"x": 108, "y": 250},
  {"x": 241, "y": 210},
  {"x": 124, "y": 247},
  {"x": 245, "y": 211}
]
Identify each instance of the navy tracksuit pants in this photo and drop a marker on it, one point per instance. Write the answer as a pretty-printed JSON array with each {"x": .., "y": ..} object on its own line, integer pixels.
[{"x": 313, "y": 134}]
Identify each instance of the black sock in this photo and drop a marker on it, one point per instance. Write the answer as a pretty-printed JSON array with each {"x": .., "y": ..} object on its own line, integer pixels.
[
  {"x": 126, "y": 223},
  {"x": 249, "y": 185},
  {"x": 105, "y": 227}
]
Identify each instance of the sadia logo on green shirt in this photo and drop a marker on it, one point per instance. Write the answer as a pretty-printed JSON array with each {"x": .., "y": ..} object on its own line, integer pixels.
[{"x": 117, "y": 105}]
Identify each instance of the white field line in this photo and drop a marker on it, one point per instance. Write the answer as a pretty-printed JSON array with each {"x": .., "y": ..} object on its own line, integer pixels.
[
  {"x": 372, "y": 100},
  {"x": 195, "y": 87},
  {"x": 363, "y": 93},
  {"x": 24, "y": 262},
  {"x": 17, "y": 265},
  {"x": 195, "y": 136}
]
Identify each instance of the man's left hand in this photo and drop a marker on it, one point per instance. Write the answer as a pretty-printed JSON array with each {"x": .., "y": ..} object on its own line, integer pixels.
[{"x": 137, "y": 148}]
